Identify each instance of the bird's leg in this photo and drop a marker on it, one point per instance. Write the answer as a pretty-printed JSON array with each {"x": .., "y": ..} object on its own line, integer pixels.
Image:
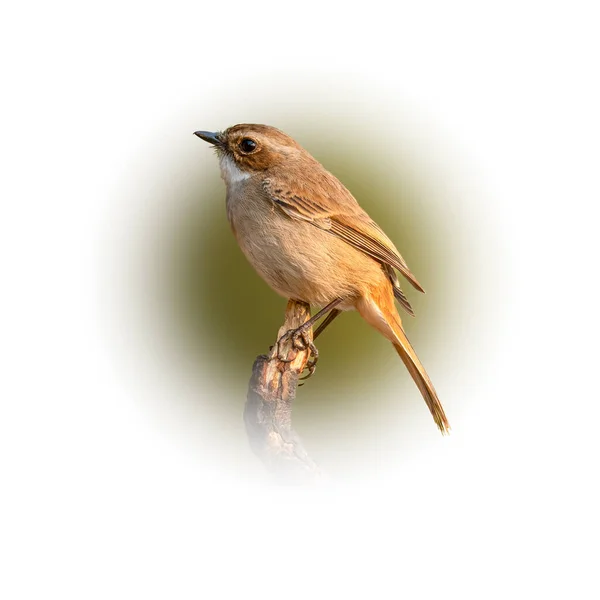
[
  {"x": 311, "y": 365},
  {"x": 300, "y": 337},
  {"x": 328, "y": 319}
]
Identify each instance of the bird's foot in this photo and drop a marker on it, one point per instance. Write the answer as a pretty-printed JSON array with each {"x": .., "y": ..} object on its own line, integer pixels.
[
  {"x": 311, "y": 366},
  {"x": 301, "y": 340}
]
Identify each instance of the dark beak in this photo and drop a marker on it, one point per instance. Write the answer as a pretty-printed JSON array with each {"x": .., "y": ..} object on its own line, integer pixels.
[{"x": 210, "y": 137}]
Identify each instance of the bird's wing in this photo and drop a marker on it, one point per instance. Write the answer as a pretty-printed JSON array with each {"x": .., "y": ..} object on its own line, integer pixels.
[{"x": 327, "y": 204}]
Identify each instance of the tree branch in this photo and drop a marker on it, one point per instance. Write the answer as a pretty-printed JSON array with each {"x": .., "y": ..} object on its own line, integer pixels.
[{"x": 268, "y": 409}]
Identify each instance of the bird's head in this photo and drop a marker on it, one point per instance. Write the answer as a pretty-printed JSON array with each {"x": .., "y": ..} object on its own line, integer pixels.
[{"x": 245, "y": 150}]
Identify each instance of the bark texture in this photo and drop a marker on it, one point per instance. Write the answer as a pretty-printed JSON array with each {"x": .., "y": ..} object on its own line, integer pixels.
[{"x": 268, "y": 411}]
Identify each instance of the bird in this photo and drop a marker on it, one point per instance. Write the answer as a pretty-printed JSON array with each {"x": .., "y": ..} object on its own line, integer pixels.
[{"x": 307, "y": 236}]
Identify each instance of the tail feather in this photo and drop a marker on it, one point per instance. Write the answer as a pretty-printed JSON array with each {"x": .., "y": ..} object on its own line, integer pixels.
[
  {"x": 420, "y": 377},
  {"x": 380, "y": 312}
]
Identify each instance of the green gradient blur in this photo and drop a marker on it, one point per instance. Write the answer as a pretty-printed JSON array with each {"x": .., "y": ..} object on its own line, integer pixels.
[{"x": 226, "y": 315}]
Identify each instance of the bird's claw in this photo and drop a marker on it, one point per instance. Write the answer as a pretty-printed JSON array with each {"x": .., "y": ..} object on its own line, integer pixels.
[
  {"x": 311, "y": 367},
  {"x": 300, "y": 341},
  {"x": 278, "y": 343}
]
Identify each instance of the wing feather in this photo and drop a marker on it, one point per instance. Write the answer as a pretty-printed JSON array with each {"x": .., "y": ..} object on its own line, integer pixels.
[{"x": 344, "y": 219}]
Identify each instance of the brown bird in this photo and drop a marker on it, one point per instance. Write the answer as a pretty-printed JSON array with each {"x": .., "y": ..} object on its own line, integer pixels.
[{"x": 308, "y": 238}]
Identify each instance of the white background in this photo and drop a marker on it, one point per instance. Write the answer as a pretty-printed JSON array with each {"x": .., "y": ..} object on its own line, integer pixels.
[{"x": 100, "y": 499}]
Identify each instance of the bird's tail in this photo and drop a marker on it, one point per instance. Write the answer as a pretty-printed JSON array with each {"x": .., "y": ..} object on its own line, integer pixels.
[
  {"x": 381, "y": 313},
  {"x": 419, "y": 374}
]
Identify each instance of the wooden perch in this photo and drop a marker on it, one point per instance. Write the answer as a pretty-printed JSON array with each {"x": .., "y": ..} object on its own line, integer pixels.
[{"x": 268, "y": 409}]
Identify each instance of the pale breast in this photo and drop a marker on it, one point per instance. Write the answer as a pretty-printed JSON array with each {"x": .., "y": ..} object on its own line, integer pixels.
[{"x": 297, "y": 259}]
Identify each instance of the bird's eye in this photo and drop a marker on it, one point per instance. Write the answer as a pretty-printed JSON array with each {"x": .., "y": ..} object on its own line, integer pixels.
[{"x": 247, "y": 145}]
